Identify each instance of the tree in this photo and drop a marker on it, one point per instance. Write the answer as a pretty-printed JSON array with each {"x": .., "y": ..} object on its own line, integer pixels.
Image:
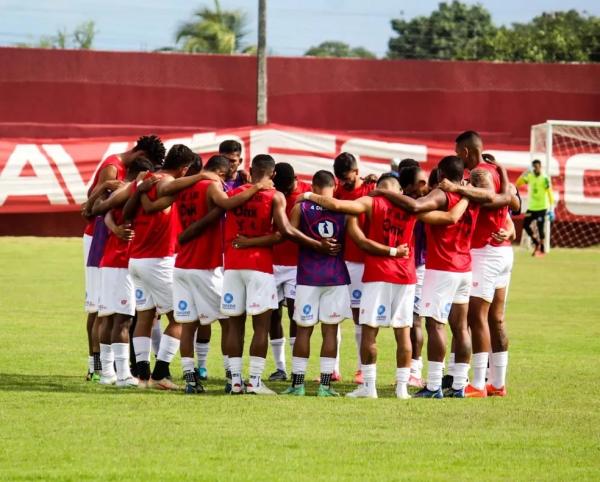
[
  {"x": 81, "y": 38},
  {"x": 214, "y": 31},
  {"x": 332, "y": 48}
]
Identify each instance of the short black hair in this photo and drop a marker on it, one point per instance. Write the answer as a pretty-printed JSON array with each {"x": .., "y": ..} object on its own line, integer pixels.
[
  {"x": 230, "y": 147},
  {"x": 386, "y": 176},
  {"x": 408, "y": 162},
  {"x": 452, "y": 168},
  {"x": 217, "y": 162},
  {"x": 178, "y": 156},
  {"x": 152, "y": 147},
  {"x": 195, "y": 166},
  {"x": 139, "y": 164},
  {"x": 344, "y": 163},
  {"x": 467, "y": 136},
  {"x": 536, "y": 161},
  {"x": 488, "y": 157},
  {"x": 262, "y": 165},
  {"x": 284, "y": 176},
  {"x": 408, "y": 175},
  {"x": 323, "y": 179},
  {"x": 434, "y": 178}
]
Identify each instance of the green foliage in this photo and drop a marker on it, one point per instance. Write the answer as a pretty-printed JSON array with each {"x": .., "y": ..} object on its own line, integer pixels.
[
  {"x": 81, "y": 38},
  {"x": 332, "y": 48},
  {"x": 457, "y": 31}
]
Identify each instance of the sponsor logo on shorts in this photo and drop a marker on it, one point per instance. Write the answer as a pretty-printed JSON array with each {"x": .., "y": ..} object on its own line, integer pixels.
[
  {"x": 335, "y": 315},
  {"x": 182, "y": 305},
  {"x": 254, "y": 305},
  {"x": 357, "y": 294},
  {"x": 182, "y": 308},
  {"x": 307, "y": 313},
  {"x": 139, "y": 294},
  {"x": 202, "y": 316},
  {"x": 123, "y": 302},
  {"x": 381, "y": 313},
  {"x": 475, "y": 284},
  {"x": 227, "y": 303},
  {"x": 306, "y": 309}
]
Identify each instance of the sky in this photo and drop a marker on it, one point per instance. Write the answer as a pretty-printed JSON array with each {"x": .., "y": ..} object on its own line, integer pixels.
[{"x": 293, "y": 25}]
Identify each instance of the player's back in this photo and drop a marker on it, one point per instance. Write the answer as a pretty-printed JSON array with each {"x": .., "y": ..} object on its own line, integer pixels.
[
  {"x": 489, "y": 221},
  {"x": 116, "y": 250},
  {"x": 155, "y": 233},
  {"x": 391, "y": 226},
  {"x": 206, "y": 250},
  {"x": 352, "y": 252},
  {"x": 252, "y": 219},
  {"x": 314, "y": 268},
  {"x": 286, "y": 252},
  {"x": 449, "y": 245}
]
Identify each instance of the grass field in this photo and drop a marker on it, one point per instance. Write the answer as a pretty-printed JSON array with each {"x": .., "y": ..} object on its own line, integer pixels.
[{"x": 53, "y": 425}]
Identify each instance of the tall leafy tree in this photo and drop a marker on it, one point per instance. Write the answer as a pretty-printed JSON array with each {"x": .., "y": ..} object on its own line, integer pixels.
[{"x": 332, "y": 48}]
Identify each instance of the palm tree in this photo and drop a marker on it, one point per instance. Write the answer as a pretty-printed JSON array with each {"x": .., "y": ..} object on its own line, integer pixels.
[{"x": 213, "y": 31}]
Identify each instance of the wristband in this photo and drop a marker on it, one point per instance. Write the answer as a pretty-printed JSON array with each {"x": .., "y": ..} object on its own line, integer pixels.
[
  {"x": 306, "y": 196},
  {"x": 393, "y": 252}
]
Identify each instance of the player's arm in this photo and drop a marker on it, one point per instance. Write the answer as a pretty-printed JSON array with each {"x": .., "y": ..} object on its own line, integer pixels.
[
  {"x": 549, "y": 193},
  {"x": 370, "y": 246},
  {"x": 109, "y": 173},
  {"x": 116, "y": 199},
  {"x": 196, "y": 228},
  {"x": 142, "y": 186},
  {"x": 507, "y": 233},
  {"x": 259, "y": 241},
  {"x": 122, "y": 231},
  {"x": 445, "y": 217},
  {"x": 174, "y": 186},
  {"x": 161, "y": 202},
  {"x": 358, "y": 206},
  {"x": 523, "y": 179},
  {"x": 221, "y": 199},
  {"x": 325, "y": 246},
  {"x": 476, "y": 194},
  {"x": 436, "y": 199},
  {"x": 99, "y": 192}
]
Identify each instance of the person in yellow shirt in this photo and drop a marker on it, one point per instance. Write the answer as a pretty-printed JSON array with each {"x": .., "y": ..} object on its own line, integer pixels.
[{"x": 541, "y": 202}]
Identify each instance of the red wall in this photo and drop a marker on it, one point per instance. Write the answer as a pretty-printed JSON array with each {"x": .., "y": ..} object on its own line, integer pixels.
[{"x": 61, "y": 93}]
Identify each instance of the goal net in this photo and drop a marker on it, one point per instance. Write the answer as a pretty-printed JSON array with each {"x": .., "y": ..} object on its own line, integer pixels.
[{"x": 570, "y": 156}]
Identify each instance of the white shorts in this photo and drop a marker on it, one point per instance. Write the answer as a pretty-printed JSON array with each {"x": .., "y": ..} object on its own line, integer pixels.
[
  {"x": 153, "y": 281},
  {"x": 285, "y": 280},
  {"x": 328, "y": 304},
  {"x": 197, "y": 295},
  {"x": 249, "y": 291},
  {"x": 419, "y": 288},
  {"x": 440, "y": 290},
  {"x": 491, "y": 270},
  {"x": 355, "y": 288},
  {"x": 117, "y": 293},
  {"x": 387, "y": 305},
  {"x": 93, "y": 281}
]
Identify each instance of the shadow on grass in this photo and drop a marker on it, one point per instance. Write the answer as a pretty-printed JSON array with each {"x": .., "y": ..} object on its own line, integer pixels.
[{"x": 13, "y": 382}]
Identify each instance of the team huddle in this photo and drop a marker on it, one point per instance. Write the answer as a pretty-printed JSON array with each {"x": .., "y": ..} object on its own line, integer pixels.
[{"x": 170, "y": 237}]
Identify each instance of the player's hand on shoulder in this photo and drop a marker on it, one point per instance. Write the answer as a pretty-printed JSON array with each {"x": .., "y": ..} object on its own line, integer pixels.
[
  {"x": 147, "y": 184},
  {"x": 85, "y": 212},
  {"x": 447, "y": 186},
  {"x": 330, "y": 246}
]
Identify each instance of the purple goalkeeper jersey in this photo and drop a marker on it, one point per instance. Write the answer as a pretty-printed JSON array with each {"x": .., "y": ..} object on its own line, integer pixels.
[
  {"x": 420, "y": 243},
  {"x": 316, "y": 269},
  {"x": 98, "y": 242}
]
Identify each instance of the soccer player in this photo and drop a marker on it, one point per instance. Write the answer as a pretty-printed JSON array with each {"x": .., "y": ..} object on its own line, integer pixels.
[
  {"x": 248, "y": 282},
  {"x": 117, "y": 300},
  {"x": 351, "y": 187},
  {"x": 285, "y": 259},
  {"x": 236, "y": 177},
  {"x": 111, "y": 169},
  {"x": 322, "y": 287},
  {"x": 389, "y": 278},
  {"x": 540, "y": 202},
  {"x": 151, "y": 266}
]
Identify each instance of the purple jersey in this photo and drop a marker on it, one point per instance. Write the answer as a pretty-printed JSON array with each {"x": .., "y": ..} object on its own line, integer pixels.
[
  {"x": 98, "y": 242},
  {"x": 420, "y": 243},
  {"x": 237, "y": 181},
  {"x": 316, "y": 269}
]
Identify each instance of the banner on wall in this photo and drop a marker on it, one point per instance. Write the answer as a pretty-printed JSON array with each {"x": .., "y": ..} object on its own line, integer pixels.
[{"x": 53, "y": 175}]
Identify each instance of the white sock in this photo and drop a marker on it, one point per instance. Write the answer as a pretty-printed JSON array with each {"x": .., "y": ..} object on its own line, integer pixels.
[
  {"x": 480, "y": 362},
  {"x": 416, "y": 367},
  {"x": 451, "y": 361},
  {"x": 257, "y": 366},
  {"x": 278, "y": 347},
  {"x": 299, "y": 365},
  {"x": 402, "y": 376},
  {"x": 292, "y": 341},
  {"x": 434, "y": 375},
  {"x": 357, "y": 338},
  {"x": 121, "y": 352},
  {"x": 369, "y": 373},
  {"x": 327, "y": 364},
  {"x": 339, "y": 344},
  {"x": 500, "y": 363},
  {"x": 156, "y": 335},
  {"x": 187, "y": 363},
  {"x": 235, "y": 365},
  {"x": 461, "y": 373},
  {"x": 226, "y": 363},
  {"x": 489, "y": 374},
  {"x": 91, "y": 364},
  {"x": 168, "y": 348},
  {"x": 107, "y": 358},
  {"x": 202, "y": 353},
  {"x": 141, "y": 346}
]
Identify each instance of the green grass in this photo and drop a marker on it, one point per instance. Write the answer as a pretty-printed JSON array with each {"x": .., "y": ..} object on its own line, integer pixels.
[{"x": 53, "y": 425}]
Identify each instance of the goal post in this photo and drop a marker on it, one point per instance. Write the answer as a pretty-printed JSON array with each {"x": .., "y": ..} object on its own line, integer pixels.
[{"x": 570, "y": 156}]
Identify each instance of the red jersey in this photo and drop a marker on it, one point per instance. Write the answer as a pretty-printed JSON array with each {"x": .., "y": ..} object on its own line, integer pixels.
[
  {"x": 351, "y": 251},
  {"x": 155, "y": 233},
  {"x": 116, "y": 250},
  {"x": 253, "y": 218},
  {"x": 449, "y": 246},
  {"x": 206, "y": 250},
  {"x": 489, "y": 220},
  {"x": 286, "y": 252},
  {"x": 391, "y": 226},
  {"x": 113, "y": 160}
]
